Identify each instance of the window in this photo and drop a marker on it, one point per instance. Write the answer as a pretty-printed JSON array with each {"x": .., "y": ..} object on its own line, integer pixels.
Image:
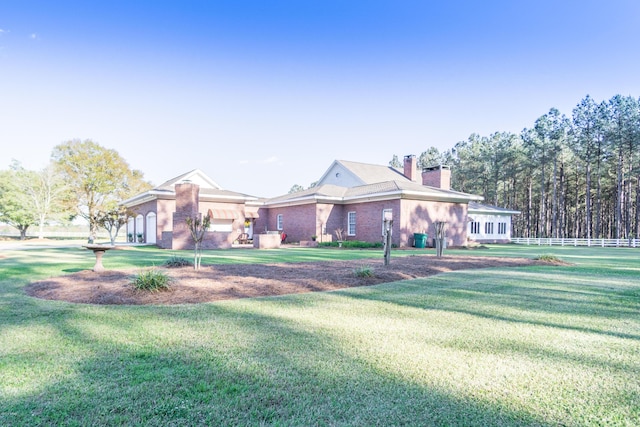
[
  {"x": 386, "y": 213},
  {"x": 351, "y": 224},
  {"x": 502, "y": 228},
  {"x": 475, "y": 227},
  {"x": 488, "y": 228},
  {"x": 279, "y": 225}
]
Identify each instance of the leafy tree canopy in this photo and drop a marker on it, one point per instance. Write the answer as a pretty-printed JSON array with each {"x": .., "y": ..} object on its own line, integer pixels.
[
  {"x": 431, "y": 157},
  {"x": 295, "y": 188},
  {"x": 113, "y": 220},
  {"x": 99, "y": 177},
  {"x": 14, "y": 204}
]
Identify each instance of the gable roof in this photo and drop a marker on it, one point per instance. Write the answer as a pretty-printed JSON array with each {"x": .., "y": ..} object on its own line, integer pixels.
[
  {"x": 361, "y": 173},
  {"x": 323, "y": 191},
  {"x": 196, "y": 176},
  {"x": 209, "y": 190},
  {"x": 350, "y": 182}
]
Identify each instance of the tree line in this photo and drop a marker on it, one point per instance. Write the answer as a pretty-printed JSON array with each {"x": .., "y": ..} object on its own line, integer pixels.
[
  {"x": 569, "y": 176},
  {"x": 83, "y": 179}
]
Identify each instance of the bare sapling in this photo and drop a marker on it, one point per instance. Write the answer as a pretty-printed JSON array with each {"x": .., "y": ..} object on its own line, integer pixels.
[{"x": 198, "y": 227}]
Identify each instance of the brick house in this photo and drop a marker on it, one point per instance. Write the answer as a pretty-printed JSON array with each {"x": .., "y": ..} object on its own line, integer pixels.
[
  {"x": 351, "y": 196},
  {"x": 355, "y": 196},
  {"x": 161, "y": 212}
]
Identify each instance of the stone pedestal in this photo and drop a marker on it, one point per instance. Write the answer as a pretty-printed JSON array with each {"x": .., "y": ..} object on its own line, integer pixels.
[{"x": 98, "y": 251}]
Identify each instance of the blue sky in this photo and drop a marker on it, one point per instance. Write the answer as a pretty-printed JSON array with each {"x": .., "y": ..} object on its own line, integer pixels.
[{"x": 262, "y": 95}]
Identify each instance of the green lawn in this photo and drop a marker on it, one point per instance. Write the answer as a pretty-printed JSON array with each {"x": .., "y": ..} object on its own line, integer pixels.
[{"x": 522, "y": 346}]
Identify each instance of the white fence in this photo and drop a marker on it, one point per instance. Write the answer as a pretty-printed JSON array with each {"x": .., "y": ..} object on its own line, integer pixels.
[{"x": 564, "y": 241}]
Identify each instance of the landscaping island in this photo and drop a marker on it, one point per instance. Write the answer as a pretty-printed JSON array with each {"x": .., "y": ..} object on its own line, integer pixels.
[{"x": 224, "y": 282}]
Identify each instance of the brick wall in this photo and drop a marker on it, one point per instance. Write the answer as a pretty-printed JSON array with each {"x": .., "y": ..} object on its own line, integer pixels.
[
  {"x": 188, "y": 205},
  {"x": 369, "y": 221},
  {"x": 299, "y": 222},
  {"x": 303, "y": 221},
  {"x": 165, "y": 211},
  {"x": 410, "y": 216},
  {"x": 420, "y": 216},
  {"x": 330, "y": 217},
  {"x": 181, "y": 236},
  {"x": 187, "y": 197},
  {"x": 261, "y": 223}
]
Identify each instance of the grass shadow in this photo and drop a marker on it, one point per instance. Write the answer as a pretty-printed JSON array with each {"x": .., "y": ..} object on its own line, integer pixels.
[{"x": 270, "y": 371}]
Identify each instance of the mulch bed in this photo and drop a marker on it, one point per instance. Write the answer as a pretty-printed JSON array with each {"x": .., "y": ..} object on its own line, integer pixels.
[{"x": 224, "y": 282}]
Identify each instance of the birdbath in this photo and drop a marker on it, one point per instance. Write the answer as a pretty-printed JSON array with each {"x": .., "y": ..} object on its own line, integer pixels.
[{"x": 98, "y": 250}]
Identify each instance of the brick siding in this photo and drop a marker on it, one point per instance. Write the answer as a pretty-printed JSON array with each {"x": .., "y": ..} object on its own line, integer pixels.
[{"x": 420, "y": 216}]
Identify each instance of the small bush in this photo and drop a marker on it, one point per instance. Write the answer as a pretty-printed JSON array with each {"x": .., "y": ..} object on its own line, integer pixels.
[
  {"x": 151, "y": 280},
  {"x": 548, "y": 258},
  {"x": 176, "y": 261},
  {"x": 363, "y": 271}
]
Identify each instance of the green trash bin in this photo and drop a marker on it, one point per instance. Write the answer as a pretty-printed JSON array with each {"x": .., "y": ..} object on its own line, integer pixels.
[{"x": 420, "y": 240}]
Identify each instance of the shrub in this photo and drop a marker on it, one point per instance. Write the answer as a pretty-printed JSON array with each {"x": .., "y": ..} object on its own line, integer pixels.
[
  {"x": 176, "y": 261},
  {"x": 363, "y": 271},
  {"x": 548, "y": 258},
  {"x": 151, "y": 280}
]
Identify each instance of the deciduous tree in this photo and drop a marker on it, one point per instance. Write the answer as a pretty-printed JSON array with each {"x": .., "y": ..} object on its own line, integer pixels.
[
  {"x": 113, "y": 220},
  {"x": 46, "y": 194},
  {"x": 14, "y": 204},
  {"x": 99, "y": 177},
  {"x": 198, "y": 227}
]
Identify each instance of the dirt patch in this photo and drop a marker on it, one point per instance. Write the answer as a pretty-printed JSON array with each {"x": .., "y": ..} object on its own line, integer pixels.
[{"x": 223, "y": 282}]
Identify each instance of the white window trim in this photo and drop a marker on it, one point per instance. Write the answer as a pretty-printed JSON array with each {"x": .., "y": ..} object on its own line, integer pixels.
[
  {"x": 502, "y": 228},
  {"x": 279, "y": 222},
  {"x": 349, "y": 233},
  {"x": 488, "y": 228},
  {"x": 475, "y": 227}
]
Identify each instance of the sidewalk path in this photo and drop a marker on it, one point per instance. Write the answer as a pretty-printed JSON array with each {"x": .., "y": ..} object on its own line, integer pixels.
[{"x": 17, "y": 245}]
